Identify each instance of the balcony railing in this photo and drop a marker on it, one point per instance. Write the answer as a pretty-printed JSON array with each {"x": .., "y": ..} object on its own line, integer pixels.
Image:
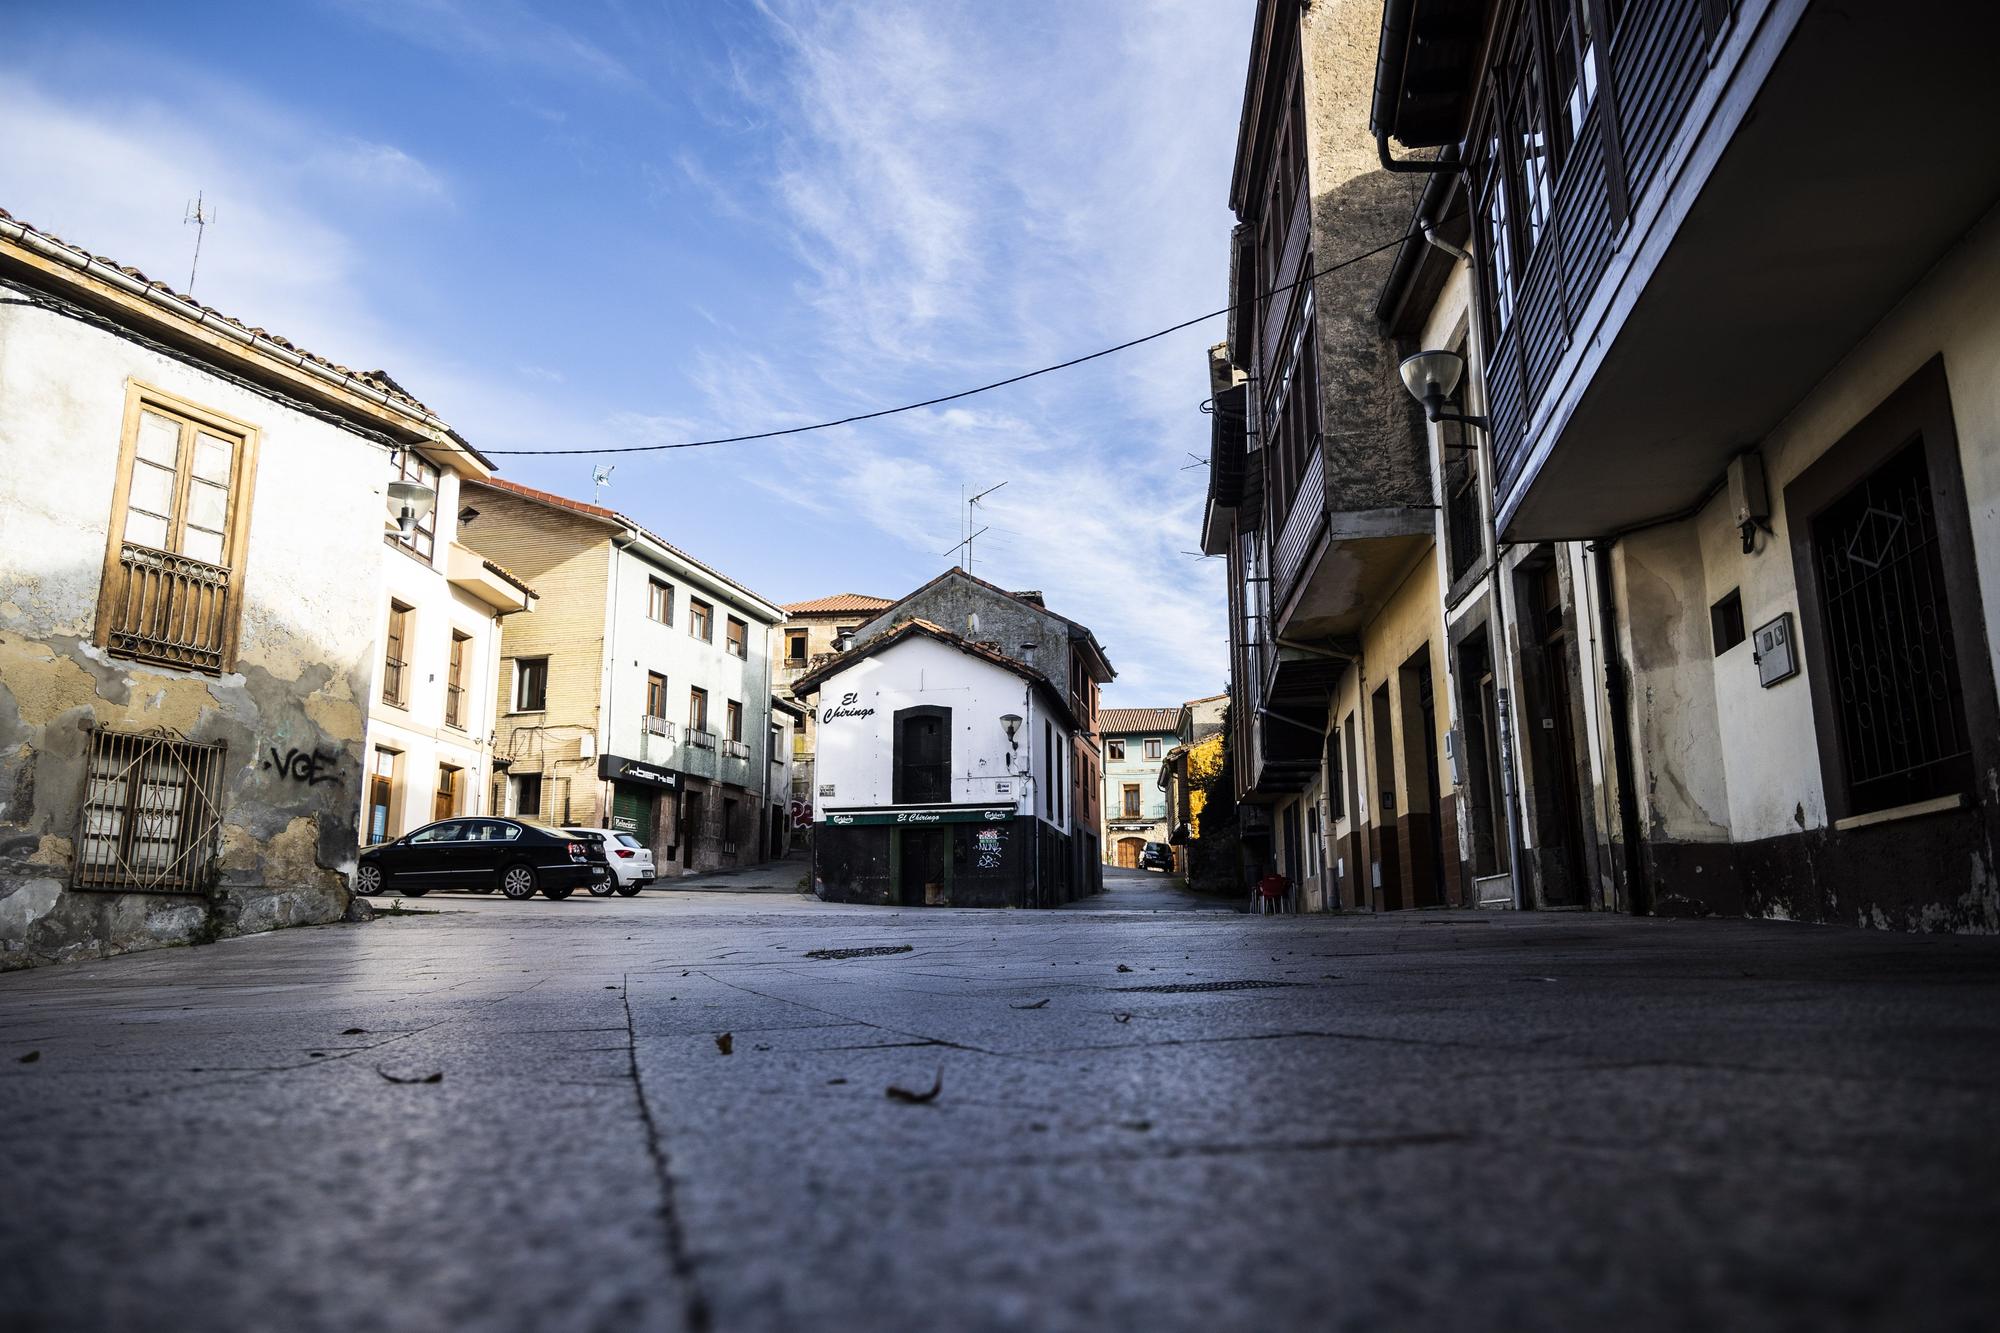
[
  {"x": 735, "y": 749},
  {"x": 657, "y": 726},
  {"x": 704, "y": 740},
  {"x": 454, "y": 705},
  {"x": 172, "y": 609}
]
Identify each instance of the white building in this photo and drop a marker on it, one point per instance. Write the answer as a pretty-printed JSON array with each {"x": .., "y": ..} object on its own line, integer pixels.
[
  {"x": 190, "y": 533},
  {"x": 438, "y": 621},
  {"x": 942, "y": 772}
]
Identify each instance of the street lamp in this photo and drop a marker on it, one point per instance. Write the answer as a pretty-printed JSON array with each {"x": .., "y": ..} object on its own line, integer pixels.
[
  {"x": 1431, "y": 377},
  {"x": 1012, "y": 722},
  {"x": 410, "y": 501}
]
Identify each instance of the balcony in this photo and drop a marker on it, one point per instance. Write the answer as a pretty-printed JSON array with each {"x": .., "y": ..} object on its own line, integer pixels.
[
  {"x": 1341, "y": 550},
  {"x": 657, "y": 726},
  {"x": 1746, "y": 199},
  {"x": 487, "y": 583},
  {"x": 169, "y": 609}
]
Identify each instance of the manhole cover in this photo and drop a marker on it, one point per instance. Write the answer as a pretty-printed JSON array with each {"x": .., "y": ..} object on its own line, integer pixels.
[
  {"x": 1186, "y": 987},
  {"x": 875, "y": 951}
]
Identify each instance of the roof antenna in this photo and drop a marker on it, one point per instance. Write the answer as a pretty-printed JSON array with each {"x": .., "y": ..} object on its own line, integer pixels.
[
  {"x": 600, "y": 477},
  {"x": 200, "y": 214}
]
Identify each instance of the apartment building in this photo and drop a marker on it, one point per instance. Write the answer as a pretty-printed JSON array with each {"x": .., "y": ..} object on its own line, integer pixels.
[
  {"x": 638, "y": 696},
  {"x": 1136, "y": 741},
  {"x": 807, "y": 637}
]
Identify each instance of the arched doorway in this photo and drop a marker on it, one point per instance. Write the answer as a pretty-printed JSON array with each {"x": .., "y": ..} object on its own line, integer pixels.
[{"x": 1128, "y": 852}]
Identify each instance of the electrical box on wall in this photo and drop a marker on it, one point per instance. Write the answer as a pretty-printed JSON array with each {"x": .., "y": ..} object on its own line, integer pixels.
[
  {"x": 1773, "y": 652},
  {"x": 1749, "y": 500},
  {"x": 1451, "y": 757}
]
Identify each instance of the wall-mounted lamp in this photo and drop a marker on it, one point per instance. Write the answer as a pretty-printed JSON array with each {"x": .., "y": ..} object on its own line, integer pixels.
[
  {"x": 1432, "y": 377},
  {"x": 1012, "y": 722},
  {"x": 410, "y": 501},
  {"x": 467, "y": 514}
]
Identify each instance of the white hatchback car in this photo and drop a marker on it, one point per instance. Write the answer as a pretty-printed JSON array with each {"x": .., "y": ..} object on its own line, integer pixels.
[{"x": 631, "y": 862}]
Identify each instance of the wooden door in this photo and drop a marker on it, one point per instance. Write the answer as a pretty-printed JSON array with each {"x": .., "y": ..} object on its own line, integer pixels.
[{"x": 1129, "y": 850}]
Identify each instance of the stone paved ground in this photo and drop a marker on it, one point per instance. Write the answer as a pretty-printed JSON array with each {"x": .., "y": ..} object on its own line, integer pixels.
[{"x": 1435, "y": 1121}]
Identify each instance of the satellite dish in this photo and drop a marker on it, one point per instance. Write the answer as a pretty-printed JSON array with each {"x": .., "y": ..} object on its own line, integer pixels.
[{"x": 600, "y": 477}]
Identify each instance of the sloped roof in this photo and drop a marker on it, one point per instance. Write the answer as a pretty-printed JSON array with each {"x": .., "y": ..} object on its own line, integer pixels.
[
  {"x": 838, "y": 602},
  {"x": 1030, "y": 598},
  {"x": 379, "y": 380},
  {"x": 613, "y": 516},
  {"x": 1119, "y": 721},
  {"x": 810, "y": 681}
]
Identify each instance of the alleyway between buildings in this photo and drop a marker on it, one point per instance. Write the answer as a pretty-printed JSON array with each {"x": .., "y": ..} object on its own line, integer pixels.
[{"x": 681, "y": 1111}]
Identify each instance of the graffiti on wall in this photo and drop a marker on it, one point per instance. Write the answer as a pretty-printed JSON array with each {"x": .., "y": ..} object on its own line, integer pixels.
[{"x": 308, "y": 766}]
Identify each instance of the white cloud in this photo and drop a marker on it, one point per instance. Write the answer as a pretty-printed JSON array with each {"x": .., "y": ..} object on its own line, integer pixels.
[
  {"x": 974, "y": 195},
  {"x": 505, "y": 33}
]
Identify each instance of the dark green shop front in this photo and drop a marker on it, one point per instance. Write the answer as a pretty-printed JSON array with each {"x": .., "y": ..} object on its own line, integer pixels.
[{"x": 635, "y": 788}]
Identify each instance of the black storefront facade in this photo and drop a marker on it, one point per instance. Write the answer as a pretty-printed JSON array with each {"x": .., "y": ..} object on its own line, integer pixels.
[{"x": 938, "y": 856}]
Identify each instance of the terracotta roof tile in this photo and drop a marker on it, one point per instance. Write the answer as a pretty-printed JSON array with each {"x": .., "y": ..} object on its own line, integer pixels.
[
  {"x": 1121, "y": 721},
  {"x": 840, "y": 601}
]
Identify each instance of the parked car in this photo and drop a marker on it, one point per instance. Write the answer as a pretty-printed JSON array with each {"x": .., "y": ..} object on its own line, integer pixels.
[
  {"x": 631, "y": 861},
  {"x": 1156, "y": 856},
  {"x": 479, "y": 855}
]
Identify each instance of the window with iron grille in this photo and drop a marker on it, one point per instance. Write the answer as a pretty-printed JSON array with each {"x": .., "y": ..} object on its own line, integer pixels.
[
  {"x": 152, "y": 816},
  {"x": 1887, "y": 627}
]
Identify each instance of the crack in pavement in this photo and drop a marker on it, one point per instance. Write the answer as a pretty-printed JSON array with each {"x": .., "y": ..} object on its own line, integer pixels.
[{"x": 694, "y": 1305}]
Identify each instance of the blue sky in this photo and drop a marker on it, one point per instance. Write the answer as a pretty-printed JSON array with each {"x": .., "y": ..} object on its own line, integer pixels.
[{"x": 606, "y": 223}]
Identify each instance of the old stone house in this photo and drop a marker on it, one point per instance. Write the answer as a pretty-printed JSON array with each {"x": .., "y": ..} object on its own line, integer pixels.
[{"x": 186, "y": 651}]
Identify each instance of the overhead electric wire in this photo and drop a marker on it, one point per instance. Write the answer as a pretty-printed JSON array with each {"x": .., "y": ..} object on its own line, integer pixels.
[{"x": 879, "y": 413}]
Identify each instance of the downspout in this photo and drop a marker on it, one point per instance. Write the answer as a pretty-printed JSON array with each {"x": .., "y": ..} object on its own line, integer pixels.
[
  {"x": 1639, "y": 896},
  {"x": 1500, "y": 648}
]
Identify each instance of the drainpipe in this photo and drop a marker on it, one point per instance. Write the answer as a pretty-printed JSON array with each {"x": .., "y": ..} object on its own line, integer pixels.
[
  {"x": 1639, "y": 897},
  {"x": 1499, "y": 643}
]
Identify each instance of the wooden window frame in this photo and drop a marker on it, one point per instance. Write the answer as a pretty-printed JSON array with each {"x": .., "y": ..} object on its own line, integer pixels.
[
  {"x": 1130, "y": 801},
  {"x": 660, "y": 594},
  {"x": 236, "y": 525},
  {"x": 703, "y": 613},
  {"x": 697, "y": 708},
  {"x": 454, "y": 681},
  {"x": 801, "y": 638},
  {"x": 1153, "y": 748},
  {"x": 400, "y": 637},
  {"x": 656, "y": 695},
  {"x": 1114, "y": 751},
  {"x": 732, "y": 713},
  {"x": 736, "y": 637}
]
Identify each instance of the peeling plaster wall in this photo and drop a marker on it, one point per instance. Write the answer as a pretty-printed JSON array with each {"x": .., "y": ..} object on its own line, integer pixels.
[
  {"x": 1733, "y": 802},
  {"x": 302, "y": 673}
]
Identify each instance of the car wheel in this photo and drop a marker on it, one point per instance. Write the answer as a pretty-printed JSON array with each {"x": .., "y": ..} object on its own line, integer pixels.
[
  {"x": 555, "y": 894},
  {"x": 604, "y": 888},
  {"x": 369, "y": 879},
  {"x": 518, "y": 882},
  {"x": 627, "y": 890}
]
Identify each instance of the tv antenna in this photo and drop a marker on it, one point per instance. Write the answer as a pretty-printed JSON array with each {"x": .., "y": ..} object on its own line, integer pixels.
[
  {"x": 199, "y": 214},
  {"x": 600, "y": 477},
  {"x": 971, "y": 523}
]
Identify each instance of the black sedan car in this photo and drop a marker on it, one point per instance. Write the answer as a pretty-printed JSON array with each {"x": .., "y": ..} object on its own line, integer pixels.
[
  {"x": 480, "y": 855},
  {"x": 1156, "y": 856}
]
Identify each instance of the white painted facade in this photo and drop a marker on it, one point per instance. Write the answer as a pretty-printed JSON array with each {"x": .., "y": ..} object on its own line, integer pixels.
[
  {"x": 855, "y": 712},
  {"x": 414, "y": 740},
  {"x": 636, "y": 646}
]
